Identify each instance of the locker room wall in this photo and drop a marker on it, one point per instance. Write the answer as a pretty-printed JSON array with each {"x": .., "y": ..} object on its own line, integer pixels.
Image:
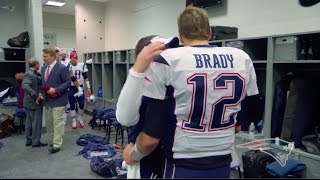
[
  {"x": 93, "y": 13},
  {"x": 262, "y": 18},
  {"x": 12, "y": 23},
  {"x": 63, "y": 26},
  {"x": 127, "y": 21}
]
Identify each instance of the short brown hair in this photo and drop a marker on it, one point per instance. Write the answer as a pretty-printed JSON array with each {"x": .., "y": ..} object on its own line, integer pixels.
[
  {"x": 142, "y": 43},
  {"x": 33, "y": 62},
  {"x": 50, "y": 51},
  {"x": 193, "y": 23}
]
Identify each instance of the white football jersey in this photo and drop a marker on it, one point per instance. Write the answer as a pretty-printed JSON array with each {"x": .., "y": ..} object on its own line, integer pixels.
[
  {"x": 209, "y": 84},
  {"x": 78, "y": 70}
]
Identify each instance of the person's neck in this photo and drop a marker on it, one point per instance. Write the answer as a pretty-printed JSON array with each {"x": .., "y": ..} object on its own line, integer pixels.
[
  {"x": 195, "y": 42},
  {"x": 49, "y": 64}
]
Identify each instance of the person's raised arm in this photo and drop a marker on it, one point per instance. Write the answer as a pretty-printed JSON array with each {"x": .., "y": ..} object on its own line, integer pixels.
[{"x": 129, "y": 101}]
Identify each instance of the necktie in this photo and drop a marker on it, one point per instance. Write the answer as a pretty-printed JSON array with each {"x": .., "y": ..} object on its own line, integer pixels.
[{"x": 47, "y": 73}]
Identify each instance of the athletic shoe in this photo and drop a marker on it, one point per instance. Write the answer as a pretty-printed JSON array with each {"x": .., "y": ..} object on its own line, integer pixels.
[
  {"x": 74, "y": 124},
  {"x": 81, "y": 123}
]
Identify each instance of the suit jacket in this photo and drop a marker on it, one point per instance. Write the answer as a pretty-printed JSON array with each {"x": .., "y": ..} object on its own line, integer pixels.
[
  {"x": 59, "y": 78},
  {"x": 31, "y": 86}
]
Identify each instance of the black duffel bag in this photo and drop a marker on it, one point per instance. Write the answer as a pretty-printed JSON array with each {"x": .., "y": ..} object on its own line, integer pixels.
[{"x": 22, "y": 40}]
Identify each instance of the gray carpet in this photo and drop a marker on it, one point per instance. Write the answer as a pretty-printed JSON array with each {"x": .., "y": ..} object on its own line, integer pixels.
[{"x": 19, "y": 161}]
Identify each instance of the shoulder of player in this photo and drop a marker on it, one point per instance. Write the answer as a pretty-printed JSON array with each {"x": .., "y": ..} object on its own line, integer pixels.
[
  {"x": 170, "y": 55},
  {"x": 173, "y": 51}
]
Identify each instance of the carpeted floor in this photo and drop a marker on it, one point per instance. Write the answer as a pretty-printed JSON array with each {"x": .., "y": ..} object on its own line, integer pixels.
[{"x": 21, "y": 162}]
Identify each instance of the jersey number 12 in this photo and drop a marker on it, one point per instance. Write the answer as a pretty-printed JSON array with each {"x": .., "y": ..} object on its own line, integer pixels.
[{"x": 199, "y": 101}]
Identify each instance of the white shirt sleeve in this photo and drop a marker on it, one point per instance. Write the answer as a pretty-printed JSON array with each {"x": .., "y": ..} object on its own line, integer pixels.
[
  {"x": 252, "y": 85},
  {"x": 129, "y": 101}
]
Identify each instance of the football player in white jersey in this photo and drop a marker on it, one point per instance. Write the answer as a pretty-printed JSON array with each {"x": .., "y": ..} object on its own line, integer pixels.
[
  {"x": 205, "y": 86},
  {"x": 62, "y": 59},
  {"x": 67, "y": 64},
  {"x": 79, "y": 70}
]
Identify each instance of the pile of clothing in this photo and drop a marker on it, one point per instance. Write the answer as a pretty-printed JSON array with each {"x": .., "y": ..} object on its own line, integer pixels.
[
  {"x": 108, "y": 168},
  {"x": 86, "y": 138},
  {"x": 97, "y": 149}
]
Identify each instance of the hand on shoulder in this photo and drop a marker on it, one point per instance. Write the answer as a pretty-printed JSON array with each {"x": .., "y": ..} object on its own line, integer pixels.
[{"x": 146, "y": 56}]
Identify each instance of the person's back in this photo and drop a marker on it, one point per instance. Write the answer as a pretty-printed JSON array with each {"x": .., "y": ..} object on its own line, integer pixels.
[
  {"x": 209, "y": 84},
  {"x": 206, "y": 85}
]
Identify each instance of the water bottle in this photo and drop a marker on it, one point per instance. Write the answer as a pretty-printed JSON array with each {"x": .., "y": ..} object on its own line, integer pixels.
[{"x": 251, "y": 129}]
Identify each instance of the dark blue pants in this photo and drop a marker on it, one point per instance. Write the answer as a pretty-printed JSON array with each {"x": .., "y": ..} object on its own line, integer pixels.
[
  {"x": 150, "y": 165},
  {"x": 175, "y": 172},
  {"x": 73, "y": 100}
]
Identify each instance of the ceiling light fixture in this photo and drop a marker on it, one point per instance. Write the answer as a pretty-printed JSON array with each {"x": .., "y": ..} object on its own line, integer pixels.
[{"x": 54, "y": 3}]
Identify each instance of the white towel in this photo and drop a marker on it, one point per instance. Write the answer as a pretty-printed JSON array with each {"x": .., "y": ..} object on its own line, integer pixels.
[
  {"x": 133, "y": 171},
  {"x": 235, "y": 159}
]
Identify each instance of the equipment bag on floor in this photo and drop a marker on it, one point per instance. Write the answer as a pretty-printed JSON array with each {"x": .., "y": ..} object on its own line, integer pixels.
[
  {"x": 86, "y": 138},
  {"x": 103, "y": 167},
  {"x": 254, "y": 164},
  {"x": 92, "y": 150},
  {"x": 108, "y": 168},
  {"x": 5, "y": 125}
]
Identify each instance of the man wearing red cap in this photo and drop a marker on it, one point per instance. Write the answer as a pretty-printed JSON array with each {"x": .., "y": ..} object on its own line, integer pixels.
[
  {"x": 79, "y": 70},
  {"x": 67, "y": 64},
  {"x": 74, "y": 80}
]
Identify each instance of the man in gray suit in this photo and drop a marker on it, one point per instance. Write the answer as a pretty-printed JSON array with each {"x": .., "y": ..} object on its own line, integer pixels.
[
  {"x": 31, "y": 86},
  {"x": 55, "y": 84}
]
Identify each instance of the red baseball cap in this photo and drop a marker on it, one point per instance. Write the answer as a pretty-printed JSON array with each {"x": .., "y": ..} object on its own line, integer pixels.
[{"x": 73, "y": 55}]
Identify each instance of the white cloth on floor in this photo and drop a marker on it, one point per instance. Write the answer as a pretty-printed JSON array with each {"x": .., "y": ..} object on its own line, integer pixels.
[{"x": 133, "y": 171}]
